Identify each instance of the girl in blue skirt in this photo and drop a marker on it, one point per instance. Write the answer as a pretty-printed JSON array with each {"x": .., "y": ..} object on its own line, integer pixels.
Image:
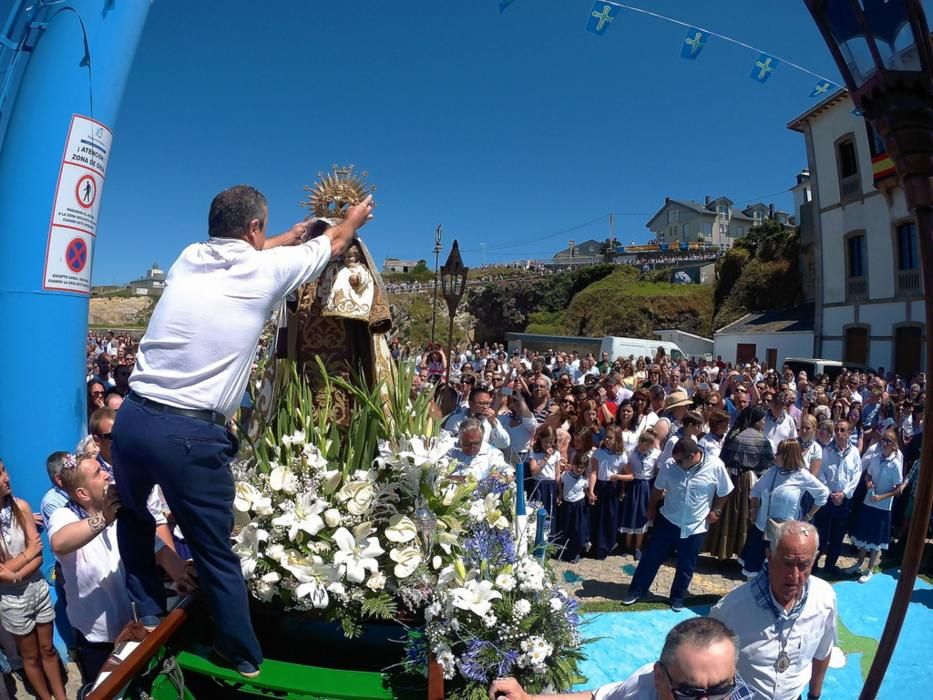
[
  {"x": 872, "y": 531},
  {"x": 543, "y": 468},
  {"x": 640, "y": 470},
  {"x": 605, "y": 483},
  {"x": 573, "y": 517}
]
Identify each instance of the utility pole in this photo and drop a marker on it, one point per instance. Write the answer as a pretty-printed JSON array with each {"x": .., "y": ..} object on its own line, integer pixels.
[
  {"x": 573, "y": 251},
  {"x": 482, "y": 247},
  {"x": 438, "y": 232}
]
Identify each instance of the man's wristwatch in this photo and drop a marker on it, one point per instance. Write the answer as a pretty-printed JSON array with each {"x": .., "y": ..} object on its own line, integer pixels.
[
  {"x": 717, "y": 511},
  {"x": 811, "y": 696}
]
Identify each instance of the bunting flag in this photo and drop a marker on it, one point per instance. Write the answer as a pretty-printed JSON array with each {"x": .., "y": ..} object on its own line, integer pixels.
[
  {"x": 764, "y": 67},
  {"x": 504, "y": 4},
  {"x": 821, "y": 88},
  {"x": 602, "y": 15},
  {"x": 693, "y": 43}
]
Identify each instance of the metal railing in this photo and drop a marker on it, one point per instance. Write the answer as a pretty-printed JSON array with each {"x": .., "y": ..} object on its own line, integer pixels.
[
  {"x": 850, "y": 187},
  {"x": 909, "y": 283},
  {"x": 857, "y": 288}
]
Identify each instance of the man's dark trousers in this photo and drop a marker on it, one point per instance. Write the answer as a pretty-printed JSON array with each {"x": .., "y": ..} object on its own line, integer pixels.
[
  {"x": 831, "y": 523},
  {"x": 189, "y": 459},
  {"x": 665, "y": 536}
]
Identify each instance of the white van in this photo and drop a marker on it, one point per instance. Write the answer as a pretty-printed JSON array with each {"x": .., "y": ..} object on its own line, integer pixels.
[
  {"x": 639, "y": 347},
  {"x": 814, "y": 366}
]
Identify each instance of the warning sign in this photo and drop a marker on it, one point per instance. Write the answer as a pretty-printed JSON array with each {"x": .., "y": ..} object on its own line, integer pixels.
[
  {"x": 73, "y": 224},
  {"x": 68, "y": 265}
]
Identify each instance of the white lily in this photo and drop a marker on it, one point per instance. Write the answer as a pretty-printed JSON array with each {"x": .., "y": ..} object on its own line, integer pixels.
[
  {"x": 421, "y": 453},
  {"x": 488, "y": 509},
  {"x": 246, "y": 547},
  {"x": 401, "y": 529},
  {"x": 313, "y": 457},
  {"x": 304, "y": 516},
  {"x": 262, "y": 505},
  {"x": 406, "y": 561},
  {"x": 313, "y": 576},
  {"x": 357, "y": 552},
  {"x": 475, "y": 596}
]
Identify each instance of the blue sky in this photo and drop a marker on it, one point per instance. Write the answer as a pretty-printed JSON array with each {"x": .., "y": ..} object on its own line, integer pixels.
[{"x": 508, "y": 129}]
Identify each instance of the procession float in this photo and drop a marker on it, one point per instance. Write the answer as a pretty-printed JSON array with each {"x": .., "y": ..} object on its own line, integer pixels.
[{"x": 376, "y": 567}]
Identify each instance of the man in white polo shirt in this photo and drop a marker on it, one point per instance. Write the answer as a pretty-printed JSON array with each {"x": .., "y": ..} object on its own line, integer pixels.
[
  {"x": 191, "y": 370},
  {"x": 695, "y": 486}
]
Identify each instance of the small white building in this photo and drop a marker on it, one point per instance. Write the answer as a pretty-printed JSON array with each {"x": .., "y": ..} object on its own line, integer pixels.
[
  {"x": 399, "y": 265},
  {"x": 769, "y": 336},
  {"x": 150, "y": 284},
  {"x": 868, "y": 285}
]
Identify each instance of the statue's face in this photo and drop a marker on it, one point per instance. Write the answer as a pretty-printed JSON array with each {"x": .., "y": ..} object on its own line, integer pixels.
[{"x": 352, "y": 255}]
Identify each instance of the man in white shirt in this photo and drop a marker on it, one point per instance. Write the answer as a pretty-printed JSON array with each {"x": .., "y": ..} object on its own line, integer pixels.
[
  {"x": 697, "y": 661},
  {"x": 841, "y": 471},
  {"x": 480, "y": 408},
  {"x": 695, "y": 486},
  {"x": 785, "y": 619},
  {"x": 191, "y": 370},
  {"x": 476, "y": 458},
  {"x": 84, "y": 540},
  {"x": 779, "y": 425}
]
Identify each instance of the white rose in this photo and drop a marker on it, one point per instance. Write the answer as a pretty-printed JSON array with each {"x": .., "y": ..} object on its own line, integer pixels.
[
  {"x": 376, "y": 582},
  {"x": 332, "y": 517},
  {"x": 267, "y": 588},
  {"x": 275, "y": 552},
  {"x": 358, "y": 496},
  {"x": 505, "y": 582},
  {"x": 437, "y": 561},
  {"x": 556, "y": 604}
]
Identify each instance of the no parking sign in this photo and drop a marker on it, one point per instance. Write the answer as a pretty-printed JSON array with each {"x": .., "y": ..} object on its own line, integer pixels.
[{"x": 73, "y": 225}]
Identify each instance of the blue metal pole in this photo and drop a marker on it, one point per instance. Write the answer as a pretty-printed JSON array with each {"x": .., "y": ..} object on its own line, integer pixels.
[{"x": 79, "y": 66}]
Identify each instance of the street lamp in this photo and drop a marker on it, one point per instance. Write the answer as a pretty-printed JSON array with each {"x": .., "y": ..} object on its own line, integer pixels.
[
  {"x": 883, "y": 51},
  {"x": 453, "y": 284},
  {"x": 438, "y": 232}
]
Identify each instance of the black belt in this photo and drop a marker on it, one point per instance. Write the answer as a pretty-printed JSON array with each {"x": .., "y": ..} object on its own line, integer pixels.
[{"x": 210, "y": 416}]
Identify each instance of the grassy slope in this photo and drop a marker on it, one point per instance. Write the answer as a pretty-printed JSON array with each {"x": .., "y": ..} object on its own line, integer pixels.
[{"x": 621, "y": 305}]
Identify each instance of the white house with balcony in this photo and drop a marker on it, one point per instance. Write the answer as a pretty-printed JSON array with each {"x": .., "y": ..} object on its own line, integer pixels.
[
  {"x": 867, "y": 286},
  {"x": 715, "y": 222}
]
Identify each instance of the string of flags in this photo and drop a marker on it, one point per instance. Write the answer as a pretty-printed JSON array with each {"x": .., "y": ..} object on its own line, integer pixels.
[{"x": 604, "y": 13}]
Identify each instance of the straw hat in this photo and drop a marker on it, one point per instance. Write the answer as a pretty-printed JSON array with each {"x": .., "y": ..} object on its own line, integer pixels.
[{"x": 677, "y": 398}]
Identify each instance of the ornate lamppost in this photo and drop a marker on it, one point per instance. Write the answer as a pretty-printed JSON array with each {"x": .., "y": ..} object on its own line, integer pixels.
[
  {"x": 453, "y": 284},
  {"x": 438, "y": 232},
  {"x": 885, "y": 56}
]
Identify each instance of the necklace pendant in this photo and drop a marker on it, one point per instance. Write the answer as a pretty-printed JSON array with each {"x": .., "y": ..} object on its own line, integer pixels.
[{"x": 783, "y": 662}]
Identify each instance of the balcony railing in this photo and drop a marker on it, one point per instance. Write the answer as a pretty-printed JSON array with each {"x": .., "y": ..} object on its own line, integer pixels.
[
  {"x": 850, "y": 187},
  {"x": 909, "y": 283},
  {"x": 857, "y": 288}
]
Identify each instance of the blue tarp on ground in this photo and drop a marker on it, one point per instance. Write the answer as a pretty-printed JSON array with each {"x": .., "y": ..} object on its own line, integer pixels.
[{"x": 629, "y": 640}]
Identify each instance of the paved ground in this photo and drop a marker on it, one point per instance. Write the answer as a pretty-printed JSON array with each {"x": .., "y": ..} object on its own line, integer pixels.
[{"x": 603, "y": 581}]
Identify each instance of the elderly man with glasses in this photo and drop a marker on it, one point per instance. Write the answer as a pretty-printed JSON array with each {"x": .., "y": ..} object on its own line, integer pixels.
[
  {"x": 698, "y": 660},
  {"x": 785, "y": 619}
]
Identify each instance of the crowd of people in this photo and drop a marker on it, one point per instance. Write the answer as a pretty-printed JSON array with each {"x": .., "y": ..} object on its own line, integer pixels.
[
  {"x": 648, "y": 457},
  {"x": 709, "y": 454}
]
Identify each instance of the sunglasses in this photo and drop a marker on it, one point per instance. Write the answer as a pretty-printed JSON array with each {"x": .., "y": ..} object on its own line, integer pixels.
[
  {"x": 105, "y": 436},
  {"x": 889, "y": 441},
  {"x": 568, "y": 401},
  {"x": 97, "y": 393},
  {"x": 685, "y": 692}
]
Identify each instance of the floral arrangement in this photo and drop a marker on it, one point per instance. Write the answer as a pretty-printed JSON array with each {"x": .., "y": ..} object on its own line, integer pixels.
[{"x": 372, "y": 525}]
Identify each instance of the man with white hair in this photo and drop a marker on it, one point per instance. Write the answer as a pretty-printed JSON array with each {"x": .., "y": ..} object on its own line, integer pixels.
[
  {"x": 785, "y": 619},
  {"x": 698, "y": 660}
]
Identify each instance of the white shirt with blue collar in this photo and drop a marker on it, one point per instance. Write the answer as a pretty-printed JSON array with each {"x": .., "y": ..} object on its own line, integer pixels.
[
  {"x": 690, "y": 492},
  {"x": 841, "y": 470},
  {"x": 885, "y": 473}
]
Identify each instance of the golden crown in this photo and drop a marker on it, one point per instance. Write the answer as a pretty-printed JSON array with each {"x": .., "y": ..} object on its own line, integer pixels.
[{"x": 335, "y": 191}]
